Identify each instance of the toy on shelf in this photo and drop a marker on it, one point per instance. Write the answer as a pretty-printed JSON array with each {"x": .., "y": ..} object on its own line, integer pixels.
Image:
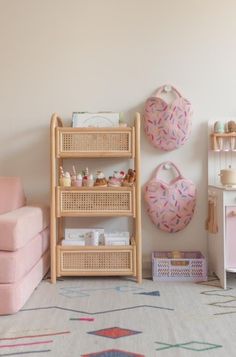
[
  {"x": 101, "y": 179},
  {"x": 232, "y": 129},
  {"x": 87, "y": 180},
  {"x": 65, "y": 179},
  {"x": 79, "y": 180},
  {"x": 76, "y": 179},
  {"x": 73, "y": 176},
  {"x": 116, "y": 179},
  {"x": 129, "y": 178}
]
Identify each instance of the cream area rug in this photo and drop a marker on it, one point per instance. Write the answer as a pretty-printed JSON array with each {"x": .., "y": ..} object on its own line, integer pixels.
[{"x": 116, "y": 317}]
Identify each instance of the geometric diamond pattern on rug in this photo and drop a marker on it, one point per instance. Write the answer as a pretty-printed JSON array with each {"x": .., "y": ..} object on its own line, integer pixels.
[
  {"x": 114, "y": 332},
  {"x": 150, "y": 293},
  {"x": 189, "y": 346},
  {"x": 113, "y": 353}
]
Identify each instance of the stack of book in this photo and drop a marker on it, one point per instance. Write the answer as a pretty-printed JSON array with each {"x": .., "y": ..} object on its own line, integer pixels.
[
  {"x": 83, "y": 236},
  {"x": 117, "y": 238}
]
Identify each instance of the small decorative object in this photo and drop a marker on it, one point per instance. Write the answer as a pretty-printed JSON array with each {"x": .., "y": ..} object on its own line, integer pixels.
[
  {"x": 73, "y": 177},
  {"x": 85, "y": 177},
  {"x": 228, "y": 177},
  {"x": 116, "y": 179},
  {"x": 65, "y": 179},
  {"x": 90, "y": 181},
  {"x": 129, "y": 178},
  {"x": 79, "y": 180},
  {"x": 168, "y": 126},
  {"x": 219, "y": 127},
  {"x": 170, "y": 205},
  {"x": 101, "y": 179}
]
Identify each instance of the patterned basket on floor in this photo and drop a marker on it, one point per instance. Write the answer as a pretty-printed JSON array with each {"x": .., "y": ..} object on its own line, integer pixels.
[{"x": 190, "y": 266}]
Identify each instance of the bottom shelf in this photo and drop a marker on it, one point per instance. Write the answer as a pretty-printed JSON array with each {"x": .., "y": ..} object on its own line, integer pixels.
[
  {"x": 95, "y": 261},
  {"x": 231, "y": 269}
]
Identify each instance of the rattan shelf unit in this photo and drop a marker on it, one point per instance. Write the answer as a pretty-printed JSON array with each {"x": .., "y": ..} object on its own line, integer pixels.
[{"x": 123, "y": 142}]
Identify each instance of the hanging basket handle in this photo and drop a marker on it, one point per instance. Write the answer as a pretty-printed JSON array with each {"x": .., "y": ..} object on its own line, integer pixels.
[
  {"x": 167, "y": 164},
  {"x": 168, "y": 88}
]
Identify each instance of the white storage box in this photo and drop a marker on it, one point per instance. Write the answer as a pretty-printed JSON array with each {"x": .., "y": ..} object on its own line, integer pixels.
[
  {"x": 117, "y": 238},
  {"x": 80, "y": 233}
]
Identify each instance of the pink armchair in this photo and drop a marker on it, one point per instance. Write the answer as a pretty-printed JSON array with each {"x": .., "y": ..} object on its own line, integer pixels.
[{"x": 24, "y": 245}]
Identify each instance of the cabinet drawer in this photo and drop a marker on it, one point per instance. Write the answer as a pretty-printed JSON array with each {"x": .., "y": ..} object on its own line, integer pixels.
[
  {"x": 95, "y": 142},
  {"x": 230, "y": 198},
  {"x": 106, "y": 201},
  {"x": 96, "y": 261}
]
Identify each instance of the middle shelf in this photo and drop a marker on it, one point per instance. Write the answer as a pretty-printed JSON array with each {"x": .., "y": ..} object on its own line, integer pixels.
[{"x": 95, "y": 201}]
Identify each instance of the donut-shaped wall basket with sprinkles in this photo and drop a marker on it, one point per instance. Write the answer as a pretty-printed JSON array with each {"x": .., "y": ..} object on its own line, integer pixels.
[
  {"x": 170, "y": 205},
  {"x": 168, "y": 126}
]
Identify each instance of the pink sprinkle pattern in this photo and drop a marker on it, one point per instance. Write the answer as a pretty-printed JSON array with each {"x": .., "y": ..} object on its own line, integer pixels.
[
  {"x": 170, "y": 205},
  {"x": 168, "y": 126}
]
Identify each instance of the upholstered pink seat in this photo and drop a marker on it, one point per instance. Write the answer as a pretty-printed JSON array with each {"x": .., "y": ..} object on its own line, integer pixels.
[
  {"x": 18, "y": 227},
  {"x": 15, "y": 265},
  {"x": 24, "y": 245}
]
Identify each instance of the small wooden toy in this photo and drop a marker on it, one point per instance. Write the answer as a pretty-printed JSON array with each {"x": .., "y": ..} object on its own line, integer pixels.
[{"x": 129, "y": 178}]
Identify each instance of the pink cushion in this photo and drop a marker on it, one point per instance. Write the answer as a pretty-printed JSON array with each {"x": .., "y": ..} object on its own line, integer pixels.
[
  {"x": 19, "y": 226},
  {"x": 11, "y": 194},
  {"x": 15, "y": 265},
  {"x": 14, "y": 296}
]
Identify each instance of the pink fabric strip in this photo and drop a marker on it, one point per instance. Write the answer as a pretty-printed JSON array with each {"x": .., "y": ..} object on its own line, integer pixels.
[
  {"x": 32, "y": 336},
  {"x": 27, "y": 344}
]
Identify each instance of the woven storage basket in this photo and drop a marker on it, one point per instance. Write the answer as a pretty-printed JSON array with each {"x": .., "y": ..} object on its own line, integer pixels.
[
  {"x": 93, "y": 142},
  {"x": 96, "y": 201},
  {"x": 99, "y": 261},
  {"x": 190, "y": 267}
]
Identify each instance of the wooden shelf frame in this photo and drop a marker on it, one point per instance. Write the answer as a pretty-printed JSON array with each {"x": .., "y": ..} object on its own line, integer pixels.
[{"x": 126, "y": 145}]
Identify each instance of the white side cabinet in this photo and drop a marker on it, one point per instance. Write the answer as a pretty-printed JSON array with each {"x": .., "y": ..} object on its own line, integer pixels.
[{"x": 222, "y": 244}]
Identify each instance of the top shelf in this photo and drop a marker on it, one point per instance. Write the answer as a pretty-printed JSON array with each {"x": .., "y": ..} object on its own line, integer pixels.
[{"x": 94, "y": 142}]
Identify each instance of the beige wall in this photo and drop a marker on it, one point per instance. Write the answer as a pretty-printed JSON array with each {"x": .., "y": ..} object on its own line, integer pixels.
[{"x": 67, "y": 55}]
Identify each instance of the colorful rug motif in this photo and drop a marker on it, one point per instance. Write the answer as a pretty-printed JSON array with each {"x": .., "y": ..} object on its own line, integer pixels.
[
  {"x": 200, "y": 346},
  {"x": 114, "y": 332},
  {"x": 113, "y": 353}
]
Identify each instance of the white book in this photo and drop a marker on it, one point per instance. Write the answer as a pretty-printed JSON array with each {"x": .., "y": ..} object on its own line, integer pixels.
[
  {"x": 118, "y": 242},
  {"x": 80, "y": 233},
  {"x": 101, "y": 119},
  {"x": 72, "y": 242}
]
